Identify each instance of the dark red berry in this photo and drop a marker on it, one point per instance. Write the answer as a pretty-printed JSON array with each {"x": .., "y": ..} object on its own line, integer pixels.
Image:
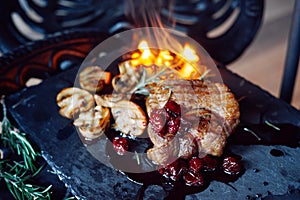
[
  {"x": 161, "y": 170},
  {"x": 231, "y": 165},
  {"x": 193, "y": 179},
  {"x": 173, "y": 125},
  {"x": 158, "y": 120},
  {"x": 183, "y": 166},
  {"x": 174, "y": 170},
  {"x": 210, "y": 163},
  {"x": 120, "y": 145},
  {"x": 173, "y": 108},
  {"x": 196, "y": 164}
]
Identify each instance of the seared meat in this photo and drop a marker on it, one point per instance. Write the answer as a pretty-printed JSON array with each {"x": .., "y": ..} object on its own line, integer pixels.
[
  {"x": 166, "y": 153},
  {"x": 187, "y": 146},
  {"x": 199, "y": 94},
  {"x": 210, "y": 107}
]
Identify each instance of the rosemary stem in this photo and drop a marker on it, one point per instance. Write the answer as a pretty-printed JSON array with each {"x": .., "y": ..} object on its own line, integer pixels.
[
  {"x": 16, "y": 174},
  {"x": 272, "y": 125},
  {"x": 252, "y": 132}
]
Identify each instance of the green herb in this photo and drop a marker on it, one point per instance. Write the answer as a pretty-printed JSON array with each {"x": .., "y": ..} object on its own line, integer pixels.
[
  {"x": 204, "y": 75},
  {"x": 253, "y": 133},
  {"x": 148, "y": 78},
  {"x": 137, "y": 157},
  {"x": 18, "y": 173},
  {"x": 272, "y": 125},
  {"x": 70, "y": 198}
]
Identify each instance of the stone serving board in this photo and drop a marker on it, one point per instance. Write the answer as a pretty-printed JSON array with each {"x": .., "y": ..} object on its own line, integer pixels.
[{"x": 266, "y": 176}]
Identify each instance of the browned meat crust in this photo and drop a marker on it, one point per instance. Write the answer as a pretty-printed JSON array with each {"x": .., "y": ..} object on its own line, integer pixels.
[{"x": 212, "y": 109}]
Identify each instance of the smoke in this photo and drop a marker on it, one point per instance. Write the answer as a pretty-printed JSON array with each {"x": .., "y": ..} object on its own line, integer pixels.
[{"x": 146, "y": 13}]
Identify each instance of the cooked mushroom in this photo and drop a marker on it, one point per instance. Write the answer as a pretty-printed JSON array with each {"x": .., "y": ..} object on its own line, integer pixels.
[
  {"x": 93, "y": 123},
  {"x": 93, "y": 78},
  {"x": 74, "y": 100},
  {"x": 108, "y": 100},
  {"x": 129, "y": 118},
  {"x": 128, "y": 78}
]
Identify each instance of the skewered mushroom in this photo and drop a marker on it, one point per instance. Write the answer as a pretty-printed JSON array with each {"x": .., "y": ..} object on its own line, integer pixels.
[
  {"x": 108, "y": 100},
  {"x": 93, "y": 123},
  {"x": 128, "y": 78},
  {"x": 93, "y": 78},
  {"x": 129, "y": 118},
  {"x": 74, "y": 100}
]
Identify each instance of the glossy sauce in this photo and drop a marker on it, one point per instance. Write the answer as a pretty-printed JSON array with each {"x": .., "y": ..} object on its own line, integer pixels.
[
  {"x": 245, "y": 134},
  {"x": 289, "y": 135}
]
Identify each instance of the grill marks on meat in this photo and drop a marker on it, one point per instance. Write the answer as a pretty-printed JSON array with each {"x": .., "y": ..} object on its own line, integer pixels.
[
  {"x": 210, "y": 107},
  {"x": 198, "y": 94}
]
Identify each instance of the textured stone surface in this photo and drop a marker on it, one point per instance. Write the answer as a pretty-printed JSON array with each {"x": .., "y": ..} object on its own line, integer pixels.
[{"x": 35, "y": 110}]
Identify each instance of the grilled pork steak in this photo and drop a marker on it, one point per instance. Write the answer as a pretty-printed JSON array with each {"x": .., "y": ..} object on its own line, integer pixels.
[{"x": 211, "y": 110}]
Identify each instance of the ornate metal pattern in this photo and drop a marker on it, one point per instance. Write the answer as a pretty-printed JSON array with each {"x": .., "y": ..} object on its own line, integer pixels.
[
  {"x": 44, "y": 58},
  {"x": 235, "y": 23},
  {"x": 223, "y": 27}
]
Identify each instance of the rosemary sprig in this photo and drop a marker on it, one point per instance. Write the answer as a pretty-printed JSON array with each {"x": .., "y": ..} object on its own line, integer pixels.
[
  {"x": 16, "y": 178},
  {"x": 17, "y": 142},
  {"x": 148, "y": 78},
  {"x": 160, "y": 73},
  {"x": 18, "y": 174}
]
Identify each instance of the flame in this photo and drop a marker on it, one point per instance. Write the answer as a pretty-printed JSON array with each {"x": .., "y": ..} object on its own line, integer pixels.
[
  {"x": 146, "y": 53},
  {"x": 184, "y": 62},
  {"x": 189, "y": 54},
  {"x": 188, "y": 70},
  {"x": 145, "y": 57}
]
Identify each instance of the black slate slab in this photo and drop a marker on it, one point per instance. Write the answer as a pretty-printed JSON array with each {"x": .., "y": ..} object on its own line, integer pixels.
[{"x": 266, "y": 175}]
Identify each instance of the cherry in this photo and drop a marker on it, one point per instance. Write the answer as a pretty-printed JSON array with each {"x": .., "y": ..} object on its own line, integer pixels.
[
  {"x": 120, "y": 145},
  {"x": 183, "y": 166},
  {"x": 170, "y": 170},
  {"x": 158, "y": 120},
  {"x": 173, "y": 125},
  {"x": 162, "y": 170},
  {"x": 173, "y": 108},
  {"x": 231, "y": 165},
  {"x": 196, "y": 164},
  {"x": 193, "y": 179},
  {"x": 210, "y": 163},
  {"x": 173, "y": 170}
]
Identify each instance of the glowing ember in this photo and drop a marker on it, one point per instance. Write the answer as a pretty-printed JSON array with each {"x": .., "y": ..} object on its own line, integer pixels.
[{"x": 183, "y": 63}]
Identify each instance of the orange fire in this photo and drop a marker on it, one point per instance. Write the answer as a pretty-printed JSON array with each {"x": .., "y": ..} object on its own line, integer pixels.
[{"x": 184, "y": 63}]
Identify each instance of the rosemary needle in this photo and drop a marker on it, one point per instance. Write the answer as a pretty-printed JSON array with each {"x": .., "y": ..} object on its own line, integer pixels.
[
  {"x": 18, "y": 174},
  {"x": 252, "y": 132},
  {"x": 137, "y": 158},
  {"x": 272, "y": 125}
]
